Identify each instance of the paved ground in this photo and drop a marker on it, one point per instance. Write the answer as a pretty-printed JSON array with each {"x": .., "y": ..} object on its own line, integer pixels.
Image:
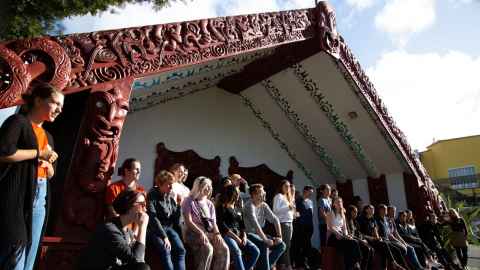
[{"x": 474, "y": 257}]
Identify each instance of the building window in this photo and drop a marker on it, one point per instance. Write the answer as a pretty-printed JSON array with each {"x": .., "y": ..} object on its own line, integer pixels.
[{"x": 462, "y": 178}]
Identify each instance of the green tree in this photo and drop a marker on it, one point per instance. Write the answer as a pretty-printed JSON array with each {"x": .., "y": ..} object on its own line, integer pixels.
[{"x": 30, "y": 18}]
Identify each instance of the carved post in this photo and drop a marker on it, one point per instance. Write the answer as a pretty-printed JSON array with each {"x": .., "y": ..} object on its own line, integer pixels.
[
  {"x": 93, "y": 160},
  {"x": 345, "y": 189},
  {"x": 377, "y": 188}
]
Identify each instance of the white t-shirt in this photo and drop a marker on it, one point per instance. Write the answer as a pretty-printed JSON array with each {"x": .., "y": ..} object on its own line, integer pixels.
[
  {"x": 281, "y": 208},
  {"x": 181, "y": 190}
]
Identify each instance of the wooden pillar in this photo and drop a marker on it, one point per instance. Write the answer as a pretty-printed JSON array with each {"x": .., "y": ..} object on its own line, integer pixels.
[
  {"x": 377, "y": 188},
  {"x": 345, "y": 190},
  {"x": 93, "y": 160}
]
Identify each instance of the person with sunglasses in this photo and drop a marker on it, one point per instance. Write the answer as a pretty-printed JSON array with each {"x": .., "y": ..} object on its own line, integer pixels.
[{"x": 113, "y": 245}]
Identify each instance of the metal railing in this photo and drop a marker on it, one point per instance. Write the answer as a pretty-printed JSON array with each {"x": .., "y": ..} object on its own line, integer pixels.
[{"x": 461, "y": 188}]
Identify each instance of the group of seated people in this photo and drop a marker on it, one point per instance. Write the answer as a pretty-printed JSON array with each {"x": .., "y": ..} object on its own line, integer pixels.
[
  {"x": 218, "y": 231},
  {"x": 228, "y": 229},
  {"x": 395, "y": 239}
]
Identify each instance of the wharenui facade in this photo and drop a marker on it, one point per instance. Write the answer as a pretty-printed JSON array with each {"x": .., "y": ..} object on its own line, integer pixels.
[{"x": 271, "y": 96}]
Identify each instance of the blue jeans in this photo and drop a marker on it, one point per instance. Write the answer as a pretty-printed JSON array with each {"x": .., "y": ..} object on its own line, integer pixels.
[
  {"x": 266, "y": 261},
  {"x": 173, "y": 259},
  {"x": 12, "y": 258},
  {"x": 412, "y": 257},
  {"x": 38, "y": 218},
  {"x": 250, "y": 250}
]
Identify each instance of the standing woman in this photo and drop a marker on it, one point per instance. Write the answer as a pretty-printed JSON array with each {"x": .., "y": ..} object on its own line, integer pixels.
[
  {"x": 26, "y": 159},
  {"x": 201, "y": 231},
  {"x": 458, "y": 236},
  {"x": 284, "y": 209}
]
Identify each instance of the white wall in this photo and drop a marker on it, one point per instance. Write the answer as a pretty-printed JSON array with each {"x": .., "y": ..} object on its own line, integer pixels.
[
  {"x": 211, "y": 122},
  {"x": 396, "y": 191}
]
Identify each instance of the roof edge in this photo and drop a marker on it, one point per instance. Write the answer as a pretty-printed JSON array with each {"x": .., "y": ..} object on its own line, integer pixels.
[{"x": 80, "y": 61}]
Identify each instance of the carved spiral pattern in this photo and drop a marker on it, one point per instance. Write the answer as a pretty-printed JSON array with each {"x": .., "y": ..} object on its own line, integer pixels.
[
  {"x": 62, "y": 69},
  {"x": 106, "y": 74},
  {"x": 14, "y": 78}
]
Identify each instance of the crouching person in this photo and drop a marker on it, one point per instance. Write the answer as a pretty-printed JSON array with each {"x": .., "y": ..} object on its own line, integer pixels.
[
  {"x": 164, "y": 223},
  {"x": 256, "y": 212},
  {"x": 202, "y": 234},
  {"x": 114, "y": 246}
]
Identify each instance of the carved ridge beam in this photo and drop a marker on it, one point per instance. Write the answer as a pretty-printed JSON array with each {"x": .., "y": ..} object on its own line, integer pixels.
[{"x": 91, "y": 60}]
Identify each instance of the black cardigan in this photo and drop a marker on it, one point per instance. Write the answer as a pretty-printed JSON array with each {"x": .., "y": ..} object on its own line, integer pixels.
[
  {"x": 110, "y": 247},
  {"x": 17, "y": 181}
]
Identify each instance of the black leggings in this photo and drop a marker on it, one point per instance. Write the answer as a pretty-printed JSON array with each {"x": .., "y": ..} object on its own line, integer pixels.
[
  {"x": 384, "y": 251},
  {"x": 462, "y": 254},
  {"x": 349, "y": 248}
]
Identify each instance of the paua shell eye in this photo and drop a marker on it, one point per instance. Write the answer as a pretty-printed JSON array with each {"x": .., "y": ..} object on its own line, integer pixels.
[{"x": 99, "y": 104}]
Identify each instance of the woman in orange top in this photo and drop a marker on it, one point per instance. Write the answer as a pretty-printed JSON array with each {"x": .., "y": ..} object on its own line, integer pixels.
[{"x": 26, "y": 159}]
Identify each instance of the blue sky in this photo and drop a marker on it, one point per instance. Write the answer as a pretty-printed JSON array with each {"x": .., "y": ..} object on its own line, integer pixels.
[{"x": 422, "y": 55}]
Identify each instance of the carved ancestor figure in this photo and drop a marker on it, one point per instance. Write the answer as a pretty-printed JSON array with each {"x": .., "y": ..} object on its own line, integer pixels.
[{"x": 94, "y": 157}]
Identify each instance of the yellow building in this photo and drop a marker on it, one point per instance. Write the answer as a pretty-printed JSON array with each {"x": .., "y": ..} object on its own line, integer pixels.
[{"x": 455, "y": 162}]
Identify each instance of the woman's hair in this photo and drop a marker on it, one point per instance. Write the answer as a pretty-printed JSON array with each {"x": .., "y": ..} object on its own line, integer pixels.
[
  {"x": 199, "y": 185},
  {"x": 350, "y": 210},
  {"x": 453, "y": 214},
  {"x": 125, "y": 200},
  {"x": 127, "y": 164},
  {"x": 175, "y": 167},
  {"x": 164, "y": 177},
  {"x": 229, "y": 195},
  {"x": 334, "y": 208},
  {"x": 40, "y": 90},
  {"x": 289, "y": 194},
  {"x": 366, "y": 207}
]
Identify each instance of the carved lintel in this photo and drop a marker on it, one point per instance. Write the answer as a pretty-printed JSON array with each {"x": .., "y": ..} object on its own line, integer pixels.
[{"x": 94, "y": 157}]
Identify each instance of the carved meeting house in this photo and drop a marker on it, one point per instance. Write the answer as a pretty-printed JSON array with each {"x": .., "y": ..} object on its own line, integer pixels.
[{"x": 271, "y": 96}]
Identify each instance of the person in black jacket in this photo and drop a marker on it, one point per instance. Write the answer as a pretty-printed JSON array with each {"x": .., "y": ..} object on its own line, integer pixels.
[
  {"x": 354, "y": 229},
  {"x": 243, "y": 252},
  {"x": 369, "y": 228},
  {"x": 164, "y": 225},
  {"x": 26, "y": 164},
  {"x": 114, "y": 246},
  {"x": 430, "y": 234}
]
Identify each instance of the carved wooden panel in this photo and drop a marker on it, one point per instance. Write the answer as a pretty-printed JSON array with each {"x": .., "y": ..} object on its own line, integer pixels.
[
  {"x": 345, "y": 190},
  {"x": 56, "y": 253},
  {"x": 377, "y": 188},
  {"x": 196, "y": 165},
  {"x": 260, "y": 174}
]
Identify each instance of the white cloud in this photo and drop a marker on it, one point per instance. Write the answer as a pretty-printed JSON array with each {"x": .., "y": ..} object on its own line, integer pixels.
[
  {"x": 144, "y": 13},
  {"x": 430, "y": 95},
  {"x": 360, "y": 4},
  {"x": 401, "y": 18}
]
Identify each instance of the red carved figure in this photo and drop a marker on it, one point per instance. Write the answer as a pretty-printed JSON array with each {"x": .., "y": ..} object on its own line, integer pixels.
[{"x": 95, "y": 156}]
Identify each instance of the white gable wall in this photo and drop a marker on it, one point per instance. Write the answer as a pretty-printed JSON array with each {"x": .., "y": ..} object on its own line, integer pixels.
[{"x": 211, "y": 122}]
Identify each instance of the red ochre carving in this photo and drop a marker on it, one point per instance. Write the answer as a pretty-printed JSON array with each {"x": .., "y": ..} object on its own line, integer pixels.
[{"x": 94, "y": 156}]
